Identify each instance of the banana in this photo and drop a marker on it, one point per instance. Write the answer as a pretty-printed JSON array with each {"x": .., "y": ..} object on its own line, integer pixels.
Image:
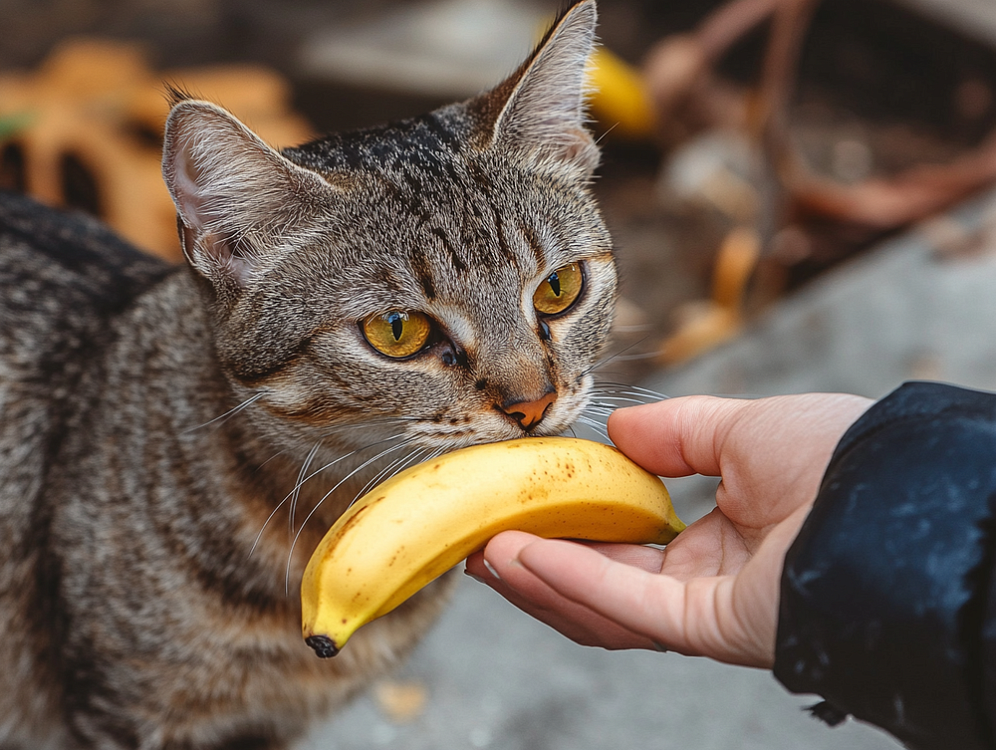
[
  {"x": 620, "y": 100},
  {"x": 414, "y": 527}
]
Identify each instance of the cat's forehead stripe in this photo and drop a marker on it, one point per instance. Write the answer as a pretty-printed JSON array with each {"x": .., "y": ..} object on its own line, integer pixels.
[
  {"x": 423, "y": 272},
  {"x": 503, "y": 246},
  {"x": 533, "y": 240},
  {"x": 458, "y": 265}
]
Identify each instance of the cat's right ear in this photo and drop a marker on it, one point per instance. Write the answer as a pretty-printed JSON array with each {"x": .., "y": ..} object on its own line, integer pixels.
[
  {"x": 240, "y": 204},
  {"x": 541, "y": 109}
]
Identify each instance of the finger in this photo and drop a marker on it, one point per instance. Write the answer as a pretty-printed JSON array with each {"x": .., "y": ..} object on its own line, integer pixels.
[
  {"x": 500, "y": 550},
  {"x": 684, "y": 617},
  {"x": 639, "y": 556},
  {"x": 504, "y": 549},
  {"x": 770, "y": 452},
  {"x": 704, "y": 434},
  {"x": 675, "y": 437},
  {"x": 571, "y": 619},
  {"x": 587, "y": 578},
  {"x": 531, "y": 595}
]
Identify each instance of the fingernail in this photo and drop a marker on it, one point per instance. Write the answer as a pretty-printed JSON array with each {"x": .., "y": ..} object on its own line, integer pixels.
[
  {"x": 660, "y": 647},
  {"x": 491, "y": 570}
]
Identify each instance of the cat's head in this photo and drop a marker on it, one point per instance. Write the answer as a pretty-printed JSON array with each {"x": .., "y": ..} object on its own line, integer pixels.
[{"x": 448, "y": 278}]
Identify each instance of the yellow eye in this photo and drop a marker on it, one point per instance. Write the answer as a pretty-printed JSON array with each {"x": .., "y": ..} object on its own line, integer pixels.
[
  {"x": 559, "y": 290},
  {"x": 397, "y": 334}
]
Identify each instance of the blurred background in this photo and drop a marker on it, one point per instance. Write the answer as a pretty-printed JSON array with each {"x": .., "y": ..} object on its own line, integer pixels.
[{"x": 801, "y": 194}]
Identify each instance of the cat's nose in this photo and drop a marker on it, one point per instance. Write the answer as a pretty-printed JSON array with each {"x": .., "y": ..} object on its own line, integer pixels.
[{"x": 529, "y": 413}]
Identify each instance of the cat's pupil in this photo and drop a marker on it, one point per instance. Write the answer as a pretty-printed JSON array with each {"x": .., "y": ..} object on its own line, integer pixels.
[
  {"x": 554, "y": 282},
  {"x": 397, "y": 322}
]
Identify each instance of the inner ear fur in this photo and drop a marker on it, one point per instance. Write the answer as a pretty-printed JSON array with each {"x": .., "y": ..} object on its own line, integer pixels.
[
  {"x": 542, "y": 107},
  {"x": 239, "y": 202}
]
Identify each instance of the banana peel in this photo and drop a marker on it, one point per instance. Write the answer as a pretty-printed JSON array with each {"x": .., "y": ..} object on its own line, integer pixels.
[{"x": 412, "y": 528}]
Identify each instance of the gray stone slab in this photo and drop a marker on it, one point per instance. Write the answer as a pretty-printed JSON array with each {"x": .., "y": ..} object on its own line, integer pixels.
[{"x": 498, "y": 679}]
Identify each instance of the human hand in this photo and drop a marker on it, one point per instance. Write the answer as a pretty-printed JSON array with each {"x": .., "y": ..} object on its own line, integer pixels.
[{"x": 714, "y": 590}]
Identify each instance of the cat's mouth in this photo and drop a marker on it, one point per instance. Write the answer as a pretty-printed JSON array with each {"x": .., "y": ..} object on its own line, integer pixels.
[{"x": 552, "y": 414}]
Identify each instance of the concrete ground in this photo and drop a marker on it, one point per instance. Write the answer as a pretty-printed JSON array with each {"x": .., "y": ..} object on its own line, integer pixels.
[{"x": 921, "y": 306}]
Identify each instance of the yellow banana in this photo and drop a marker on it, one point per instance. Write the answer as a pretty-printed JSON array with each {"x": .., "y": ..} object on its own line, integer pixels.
[
  {"x": 414, "y": 527},
  {"x": 620, "y": 101}
]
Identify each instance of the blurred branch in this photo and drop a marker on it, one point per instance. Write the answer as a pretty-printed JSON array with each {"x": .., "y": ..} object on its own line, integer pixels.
[
  {"x": 795, "y": 205},
  {"x": 680, "y": 77},
  {"x": 769, "y": 123},
  {"x": 885, "y": 204}
]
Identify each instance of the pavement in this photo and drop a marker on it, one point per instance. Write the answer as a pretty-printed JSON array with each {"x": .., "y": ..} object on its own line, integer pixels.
[{"x": 920, "y": 306}]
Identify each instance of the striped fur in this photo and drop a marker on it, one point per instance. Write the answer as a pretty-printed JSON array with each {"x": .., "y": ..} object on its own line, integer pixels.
[{"x": 175, "y": 440}]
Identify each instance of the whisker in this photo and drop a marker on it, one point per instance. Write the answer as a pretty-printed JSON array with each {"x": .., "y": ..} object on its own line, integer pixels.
[
  {"x": 630, "y": 397},
  {"x": 632, "y": 357},
  {"x": 314, "y": 473},
  {"x": 230, "y": 413},
  {"x": 597, "y": 427},
  {"x": 606, "y": 397},
  {"x": 275, "y": 455},
  {"x": 598, "y": 411},
  {"x": 594, "y": 417},
  {"x": 296, "y": 492},
  {"x": 435, "y": 454},
  {"x": 608, "y": 130},
  {"x": 368, "y": 423},
  {"x": 334, "y": 428},
  {"x": 604, "y": 361},
  {"x": 334, "y": 461},
  {"x": 627, "y": 399},
  {"x": 630, "y": 389},
  {"x": 415, "y": 457},
  {"x": 350, "y": 475},
  {"x": 287, "y": 496},
  {"x": 608, "y": 402},
  {"x": 381, "y": 475},
  {"x": 419, "y": 458}
]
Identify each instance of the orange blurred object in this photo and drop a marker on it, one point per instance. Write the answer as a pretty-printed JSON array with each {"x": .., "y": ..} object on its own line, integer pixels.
[{"x": 94, "y": 115}]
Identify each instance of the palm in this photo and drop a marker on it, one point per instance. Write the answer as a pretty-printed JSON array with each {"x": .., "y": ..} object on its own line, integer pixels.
[{"x": 713, "y": 546}]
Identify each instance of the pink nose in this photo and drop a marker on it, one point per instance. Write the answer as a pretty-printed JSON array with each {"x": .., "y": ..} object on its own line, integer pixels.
[{"x": 529, "y": 413}]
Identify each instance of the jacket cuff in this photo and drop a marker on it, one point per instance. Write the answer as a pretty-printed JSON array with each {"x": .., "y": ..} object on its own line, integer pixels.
[{"x": 886, "y": 589}]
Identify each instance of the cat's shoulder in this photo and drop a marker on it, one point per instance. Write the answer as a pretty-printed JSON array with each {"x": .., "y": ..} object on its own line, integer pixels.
[{"x": 71, "y": 255}]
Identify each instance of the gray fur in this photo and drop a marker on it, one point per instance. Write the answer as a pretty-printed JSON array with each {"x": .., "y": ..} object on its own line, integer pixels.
[{"x": 157, "y": 422}]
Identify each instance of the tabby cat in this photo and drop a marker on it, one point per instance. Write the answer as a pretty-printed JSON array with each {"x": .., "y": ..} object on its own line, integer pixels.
[{"x": 348, "y": 307}]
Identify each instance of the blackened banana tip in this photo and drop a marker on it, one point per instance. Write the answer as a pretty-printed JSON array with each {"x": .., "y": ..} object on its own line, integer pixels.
[{"x": 322, "y": 645}]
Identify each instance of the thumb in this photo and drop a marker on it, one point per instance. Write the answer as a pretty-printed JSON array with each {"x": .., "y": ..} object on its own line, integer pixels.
[{"x": 676, "y": 437}]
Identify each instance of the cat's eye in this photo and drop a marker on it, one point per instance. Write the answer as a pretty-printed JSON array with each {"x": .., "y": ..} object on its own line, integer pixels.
[
  {"x": 559, "y": 290},
  {"x": 397, "y": 334}
]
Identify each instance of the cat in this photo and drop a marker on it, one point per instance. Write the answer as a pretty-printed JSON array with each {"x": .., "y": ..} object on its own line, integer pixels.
[{"x": 175, "y": 440}]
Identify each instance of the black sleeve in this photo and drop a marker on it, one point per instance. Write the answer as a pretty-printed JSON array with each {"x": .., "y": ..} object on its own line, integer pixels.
[{"x": 888, "y": 606}]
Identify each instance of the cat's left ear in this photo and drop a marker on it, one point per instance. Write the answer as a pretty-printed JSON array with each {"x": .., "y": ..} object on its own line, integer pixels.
[
  {"x": 542, "y": 107},
  {"x": 240, "y": 203}
]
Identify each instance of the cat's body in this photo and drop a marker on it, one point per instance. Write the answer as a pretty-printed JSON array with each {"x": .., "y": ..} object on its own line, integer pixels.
[{"x": 156, "y": 419}]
